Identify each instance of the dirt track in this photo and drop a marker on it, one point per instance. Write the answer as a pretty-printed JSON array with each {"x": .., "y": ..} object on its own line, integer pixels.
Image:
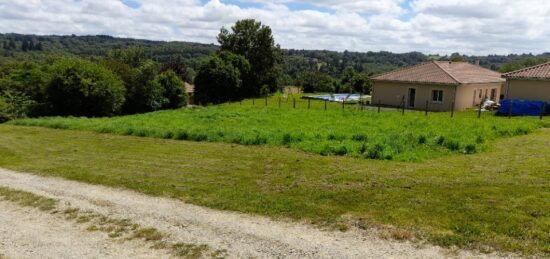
[{"x": 24, "y": 233}]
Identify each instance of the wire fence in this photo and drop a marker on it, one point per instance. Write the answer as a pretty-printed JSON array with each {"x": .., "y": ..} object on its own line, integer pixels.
[{"x": 362, "y": 105}]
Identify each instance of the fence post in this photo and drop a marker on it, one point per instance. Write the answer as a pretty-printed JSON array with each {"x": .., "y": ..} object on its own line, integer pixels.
[
  {"x": 542, "y": 110},
  {"x": 453, "y": 110},
  {"x": 379, "y": 104},
  {"x": 479, "y": 111},
  {"x": 294, "y": 103},
  {"x": 427, "y": 103},
  {"x": 510, "y": 110},
  {"x": 308, "y": 103},
  {"x": 403, "y": 101},
  {"x": 325, "y": 105}
]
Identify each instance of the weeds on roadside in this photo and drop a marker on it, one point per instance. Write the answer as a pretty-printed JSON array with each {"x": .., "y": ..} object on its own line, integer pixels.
[
  {"x": 27, "y": 199},
  {"x": 124, "y": 229}
]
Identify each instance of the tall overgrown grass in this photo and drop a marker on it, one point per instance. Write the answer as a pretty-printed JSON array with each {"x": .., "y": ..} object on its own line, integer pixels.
[{"x": 367, "y": 134}]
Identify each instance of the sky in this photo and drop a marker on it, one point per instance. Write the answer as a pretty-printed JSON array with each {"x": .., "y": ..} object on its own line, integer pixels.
[{"x": 474, "y": 27}]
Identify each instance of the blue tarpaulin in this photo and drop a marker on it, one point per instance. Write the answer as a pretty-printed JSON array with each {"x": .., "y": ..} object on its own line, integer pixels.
[{"x": 523, "y": 107}]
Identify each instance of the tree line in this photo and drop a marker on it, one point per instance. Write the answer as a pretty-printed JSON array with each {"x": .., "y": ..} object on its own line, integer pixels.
[
  {"x": 124, "y": 82},
  {"x": 106, "y": 76},
  {"x": 294, "y": 62}
]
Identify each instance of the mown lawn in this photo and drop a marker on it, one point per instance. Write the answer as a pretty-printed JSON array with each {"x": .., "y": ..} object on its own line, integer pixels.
[
  {"x": 337, "y": 131},
  {"x": 496, "y": 200}
]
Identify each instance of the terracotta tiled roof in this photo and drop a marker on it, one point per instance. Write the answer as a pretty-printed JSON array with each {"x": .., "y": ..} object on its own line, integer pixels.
[
  {"x": 536, "y": 72},
  {"x": 189, "y": 88},
  {"x": 442, "y": 72}
]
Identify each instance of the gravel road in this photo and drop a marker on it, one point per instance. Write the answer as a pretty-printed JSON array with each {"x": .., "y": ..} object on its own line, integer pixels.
[{"x": 25, "y": 233}]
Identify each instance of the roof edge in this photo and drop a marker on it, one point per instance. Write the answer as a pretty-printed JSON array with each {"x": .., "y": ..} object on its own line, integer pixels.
[
  {"x": 400, "y": 69},
  {"x": 415, "y": 82},
  {"x": 508, "y": 75}
]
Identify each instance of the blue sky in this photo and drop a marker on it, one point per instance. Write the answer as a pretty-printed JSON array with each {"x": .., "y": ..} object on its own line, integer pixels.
[{"x": 430, "y": 26}]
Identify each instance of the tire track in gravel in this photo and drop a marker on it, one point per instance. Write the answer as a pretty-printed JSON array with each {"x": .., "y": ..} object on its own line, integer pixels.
[{"x": 239, "y": 234}]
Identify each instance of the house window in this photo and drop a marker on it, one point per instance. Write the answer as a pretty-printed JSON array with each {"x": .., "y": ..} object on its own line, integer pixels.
[{"x": 437, "y": 96}]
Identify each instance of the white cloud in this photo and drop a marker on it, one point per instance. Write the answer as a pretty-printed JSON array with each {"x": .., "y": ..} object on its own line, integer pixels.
[{"x": 430, "y": 26}]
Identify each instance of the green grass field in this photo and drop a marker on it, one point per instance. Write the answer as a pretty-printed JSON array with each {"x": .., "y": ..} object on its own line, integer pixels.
[
  {"x": 496, "y": 200},
  {"x": 337, "y": 131}
]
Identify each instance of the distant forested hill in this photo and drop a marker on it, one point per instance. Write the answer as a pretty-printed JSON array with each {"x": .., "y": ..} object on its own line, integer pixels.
[{"x": 19, "y": 47}]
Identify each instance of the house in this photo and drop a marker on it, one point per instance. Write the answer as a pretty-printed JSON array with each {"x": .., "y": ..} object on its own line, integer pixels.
[
  {"x": 532, "y": 83},
  {"x": 438, "y": 84},
  {"x": 190, "y": 91}
]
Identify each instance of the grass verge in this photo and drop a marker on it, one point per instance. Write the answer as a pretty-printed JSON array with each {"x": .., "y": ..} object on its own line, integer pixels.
[{"x": 497, "y": 200}]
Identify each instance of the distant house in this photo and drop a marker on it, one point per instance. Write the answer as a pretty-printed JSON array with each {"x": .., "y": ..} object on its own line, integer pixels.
[
  {"x": 532, "y": 83},
  {"x": 190, "y": 90},
  {"x": 441, "y": 84}
]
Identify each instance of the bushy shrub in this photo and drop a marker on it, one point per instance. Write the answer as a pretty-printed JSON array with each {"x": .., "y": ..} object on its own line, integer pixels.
[
  {"x": 440, "y": 140},
  {"x": 470, "y": 149},
  {"x": 376, "y": 152},
  {"x": 82, "y": 88},
  {"x": 3, "y": 110},
  {"x": 362, "y": 148},
  {"x": 480, "y": 140},
  {"x": 14, "y": 105},
  {"x": 25, "y": 80},
  {"x": 287, "y": 139},
  {"x": 422, "y": 139},
  {"x": 452, "y": 145},
  {"x": 359, "y": 137},
  {"x": 328, "y": 150}
]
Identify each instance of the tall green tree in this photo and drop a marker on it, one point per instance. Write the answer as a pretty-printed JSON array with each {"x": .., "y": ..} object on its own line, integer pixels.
[
  {"x": 39, "y": 46},
  {"x": 456, "y": 57},
  {"x": 315, "y": 81},
  {"x": 138, "y": 72},
  {"x": 25, "y": 46},
  {"x": 26, "y": 79},
  {"x": 361, "y": 83},
  {"x": 174, "y": 90},
  {"x": 11, "y": 44},
  {"x": 219, "y": 78},
  {"x": 254, "y": 41},
  {"x": 347, "y": 75}
]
